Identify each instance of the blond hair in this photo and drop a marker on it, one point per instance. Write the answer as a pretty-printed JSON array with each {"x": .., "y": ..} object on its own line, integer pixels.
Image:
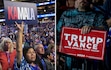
[
  {"x": 50, "y": 46},
  {"x": 2, "y": 44}
]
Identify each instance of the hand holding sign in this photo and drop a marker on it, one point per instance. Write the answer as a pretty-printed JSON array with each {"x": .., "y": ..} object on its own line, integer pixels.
[
  {"x": 85, "y": 29},
  {"x": 80, "y": 45}
]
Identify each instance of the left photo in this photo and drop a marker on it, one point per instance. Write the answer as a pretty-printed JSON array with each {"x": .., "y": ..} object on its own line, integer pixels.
[{"x": 27, "y": 35}]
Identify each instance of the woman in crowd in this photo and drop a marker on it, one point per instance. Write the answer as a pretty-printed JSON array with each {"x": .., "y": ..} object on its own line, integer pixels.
[
  {"x": 26, "y": 58},
  {"x": 7, "y": 54},
  {"x": 48, "y": 59},
  {"x": 51, "y": 48}
]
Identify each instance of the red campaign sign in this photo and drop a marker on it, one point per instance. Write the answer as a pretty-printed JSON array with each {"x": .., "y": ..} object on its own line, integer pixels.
[{"x": 91, "y": 45}]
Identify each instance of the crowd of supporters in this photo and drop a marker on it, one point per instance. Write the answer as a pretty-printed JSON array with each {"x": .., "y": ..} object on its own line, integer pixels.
[{"x": 40, "y": 37}]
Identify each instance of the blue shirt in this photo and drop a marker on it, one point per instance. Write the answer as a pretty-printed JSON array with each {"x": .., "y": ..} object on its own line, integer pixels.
[
  {"x": 77, "y": 19},
  {"x": 24, "y": 65},
  {"x": 43, "y": 63}
]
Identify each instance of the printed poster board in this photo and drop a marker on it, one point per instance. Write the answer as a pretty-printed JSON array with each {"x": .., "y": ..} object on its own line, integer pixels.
[
  {"x": 91, "y": 45},
  {"x": 20, "y": 11}
]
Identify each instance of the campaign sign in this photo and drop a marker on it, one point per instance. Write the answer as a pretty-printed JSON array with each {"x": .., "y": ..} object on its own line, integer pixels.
[
  {"x": 90, "y": 45},
  {"x": 20, "y": 11}
]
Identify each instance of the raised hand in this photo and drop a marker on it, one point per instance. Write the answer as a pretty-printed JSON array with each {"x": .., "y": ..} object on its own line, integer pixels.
[
  {"x": 19, "y": 41},
  {"x": 20, "y": 26}
]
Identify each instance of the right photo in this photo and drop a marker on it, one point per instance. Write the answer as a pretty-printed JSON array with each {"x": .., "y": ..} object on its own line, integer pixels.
[{"x": 83, "y": 34}]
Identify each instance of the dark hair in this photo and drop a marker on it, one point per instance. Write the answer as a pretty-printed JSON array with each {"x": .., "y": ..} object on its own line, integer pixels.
[
  {"x": 46, "y": 53},
  {"x": 25, "y": 50}
]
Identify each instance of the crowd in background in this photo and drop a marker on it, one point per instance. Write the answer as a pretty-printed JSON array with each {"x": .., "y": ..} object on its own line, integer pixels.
[
  {"x": 40, "y": 33},
  {"x": 33, "y": 35}
]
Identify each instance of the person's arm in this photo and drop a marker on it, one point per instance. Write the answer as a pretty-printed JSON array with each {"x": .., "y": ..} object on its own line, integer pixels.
[
  {"x": 19, "y": 42},
  {"x": 87, "y": 29},
  {"x": 59, "y": 26},
  {"x": 0, "y": 66},
  {"x": 60, "y": 23},
  {"x": 99, "y": 24}
]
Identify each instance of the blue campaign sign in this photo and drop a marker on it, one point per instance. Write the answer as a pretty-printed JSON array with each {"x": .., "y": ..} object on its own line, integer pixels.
[{"x": 20, "y": 11}]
